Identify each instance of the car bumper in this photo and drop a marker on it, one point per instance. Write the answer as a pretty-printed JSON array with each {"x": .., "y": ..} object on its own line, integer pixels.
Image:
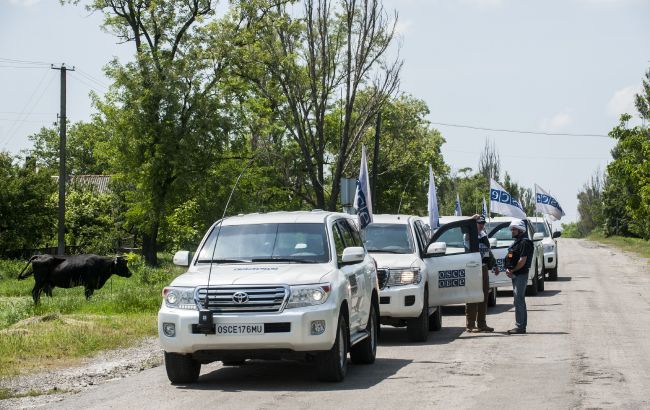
[
  {"x": 298, "y": 337},
  {"x": 401, "y": 301}
]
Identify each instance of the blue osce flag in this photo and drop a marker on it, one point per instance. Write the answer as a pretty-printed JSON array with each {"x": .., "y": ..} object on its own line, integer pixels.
[
  {"x": 484, "y": 212},
  {"x": 501, "y": 202},
  {"x": 362, "y": 199},
  {"x": 546, "y": 204}
]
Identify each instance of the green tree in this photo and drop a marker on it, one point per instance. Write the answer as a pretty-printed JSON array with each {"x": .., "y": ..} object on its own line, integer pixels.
[
  {"x": 165, "y": 115},
  {"x": 590, "y": 205},
  {"x": 27, "y": 216}
]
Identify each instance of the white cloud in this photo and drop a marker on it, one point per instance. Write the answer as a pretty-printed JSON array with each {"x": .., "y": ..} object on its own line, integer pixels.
[
  {"x": 558, "y": 122},
  {"x": 623, "y": 102},
  {"x": 25, "y": 3}
]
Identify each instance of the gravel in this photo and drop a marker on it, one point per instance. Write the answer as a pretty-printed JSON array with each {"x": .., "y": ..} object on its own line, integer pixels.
[{"x": 55, "y": 385}]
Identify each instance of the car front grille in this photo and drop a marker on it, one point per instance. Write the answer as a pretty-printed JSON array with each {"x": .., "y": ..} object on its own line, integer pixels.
[
  {"x": 243, "y": 299},
  {"x": 382, "y": 277}
]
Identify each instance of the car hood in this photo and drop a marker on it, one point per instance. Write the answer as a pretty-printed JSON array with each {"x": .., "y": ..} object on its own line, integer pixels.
[
  {"x": 392, "y": 260},
  {"x": 254, "y": 274}
]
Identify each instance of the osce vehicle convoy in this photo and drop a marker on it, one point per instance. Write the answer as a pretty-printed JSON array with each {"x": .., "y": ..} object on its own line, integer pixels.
[
  {"x": 418, "y": 273},
  {"x": 268, "y": 286}
]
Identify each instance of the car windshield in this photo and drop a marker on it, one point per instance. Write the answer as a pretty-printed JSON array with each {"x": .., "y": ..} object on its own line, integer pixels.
[
  {"x": 388, "y": 238},
  {"x": 541, "y": 227},
  {"x": 275, "y": 242}
]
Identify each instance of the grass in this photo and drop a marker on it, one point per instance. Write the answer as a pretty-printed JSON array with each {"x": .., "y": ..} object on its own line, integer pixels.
[
  {"x": 636, "y": 245},
  {"x": 8, "y": 394},
  {"x": 67, "y": 327}
]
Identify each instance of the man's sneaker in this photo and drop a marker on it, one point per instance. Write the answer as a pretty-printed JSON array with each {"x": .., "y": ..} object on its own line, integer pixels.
[
  {"x": 470, "y": 329},
  {"x": 516, "y": 331},
  {"x": 485, "y": 329}
]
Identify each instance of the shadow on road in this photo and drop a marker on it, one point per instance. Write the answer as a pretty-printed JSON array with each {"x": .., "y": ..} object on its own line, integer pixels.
[
  {"x": 397, "y": 336},
  {"x": 543, "y": 294},
  {"x": 563, "y": 279},
  {"x": 258, "y": 375}
]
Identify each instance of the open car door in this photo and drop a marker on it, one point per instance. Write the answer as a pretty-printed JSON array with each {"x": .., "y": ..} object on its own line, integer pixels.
[
  {"x": 455, "y": 271},
  {"x": 501, "y": 233}
]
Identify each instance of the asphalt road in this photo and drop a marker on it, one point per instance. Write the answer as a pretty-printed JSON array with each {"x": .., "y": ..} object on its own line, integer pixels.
[{"x": 587, "y": 347}]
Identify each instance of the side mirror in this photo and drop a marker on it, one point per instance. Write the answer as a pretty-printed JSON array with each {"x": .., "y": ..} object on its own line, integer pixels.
[
  {"x": 353, "y": 254},
  {"x": 557, "y": 234},
  {"x": 437, "y": 248},
  {"x": 538, "y": 236},
  {"x": 493, "y": 242},
  {"x": 182, "y": 258}
]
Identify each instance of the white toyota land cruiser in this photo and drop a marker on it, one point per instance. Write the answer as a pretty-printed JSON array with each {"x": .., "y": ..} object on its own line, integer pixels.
[
  {"x": 268, "y": 286},
  {"x": 419, "y": 273},
  {"x": 550, "y": 245}
]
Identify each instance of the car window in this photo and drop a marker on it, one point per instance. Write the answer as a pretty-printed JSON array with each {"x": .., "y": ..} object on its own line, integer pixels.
[
  {"x": 338, "y": 243},
  {"x": 456, "y": 238},
  {"x": 388, "y": 238},
  {"x": 354, "y": 229},
  {"x": 302, "y": 242},
  {"x": 423, "y": 238},
  {"x": 503, "y": 237},
  {"x": 346, "y": 233},
  {"x": 541, "y": 227}
]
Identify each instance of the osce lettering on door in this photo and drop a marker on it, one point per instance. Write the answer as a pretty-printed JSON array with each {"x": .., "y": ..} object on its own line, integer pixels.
[{"x": 451, "y": 278}]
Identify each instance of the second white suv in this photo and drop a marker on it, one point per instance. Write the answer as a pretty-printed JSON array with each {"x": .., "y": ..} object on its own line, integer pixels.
[
  {"x": 550, "y": 245},
  {"x": 277, "y": 285},
  {"x": 419, "y": 273}
]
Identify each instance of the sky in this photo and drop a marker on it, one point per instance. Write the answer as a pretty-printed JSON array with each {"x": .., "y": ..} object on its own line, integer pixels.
[{"x": 549, "y": 66}]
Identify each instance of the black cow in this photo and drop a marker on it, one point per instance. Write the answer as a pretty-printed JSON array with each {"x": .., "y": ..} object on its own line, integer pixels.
[{"x": 89, "y": 271}]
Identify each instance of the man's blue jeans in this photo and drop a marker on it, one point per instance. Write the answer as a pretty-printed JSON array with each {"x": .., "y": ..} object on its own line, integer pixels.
[{"x": 519, "y": 283}]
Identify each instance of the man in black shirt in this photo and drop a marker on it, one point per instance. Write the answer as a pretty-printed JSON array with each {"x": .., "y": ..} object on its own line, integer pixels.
[{"x": 517, "y": 263}]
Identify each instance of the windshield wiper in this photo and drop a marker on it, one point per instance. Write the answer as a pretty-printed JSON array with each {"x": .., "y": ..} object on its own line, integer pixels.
[
  {"x": 296, "y": 260},
  {"x": 224, "y": 261}
]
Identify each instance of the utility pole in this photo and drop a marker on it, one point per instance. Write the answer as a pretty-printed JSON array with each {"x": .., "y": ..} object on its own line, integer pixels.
[
  {"x": 375, "y": 163},
  {"x": 62, "y": 173}
]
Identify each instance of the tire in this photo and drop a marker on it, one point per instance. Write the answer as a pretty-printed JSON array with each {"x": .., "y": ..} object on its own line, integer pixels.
[
  {"x": 552, "y": 273},
  {"x": 435, "y": 320},
  {"x": 532, "y": 289},
  {"x": 418, "y": 328},
  {"x": 492, "y": 297},
  {"x": 332, "y": 365},
  {"x": 540, "y": 284},
  {"x": 365, "y": 351},
  {"x": 181, "y": 369}
]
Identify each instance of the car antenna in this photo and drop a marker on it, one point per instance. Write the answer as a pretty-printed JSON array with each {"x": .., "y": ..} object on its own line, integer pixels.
[{"x": 206, "y": 323}]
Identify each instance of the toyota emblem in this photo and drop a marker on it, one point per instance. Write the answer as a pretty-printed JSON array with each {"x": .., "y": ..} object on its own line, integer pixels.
[{"x": 240, "y": 297}]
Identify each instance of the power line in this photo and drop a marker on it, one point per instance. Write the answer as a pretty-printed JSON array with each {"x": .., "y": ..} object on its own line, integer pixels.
[
  {"x": 518, "y": 131},
  {"x": 16, "y": 61},
  {"x": 92, "y": 78},
  {"x": 87, "y": 84},
  {"x": 525, "y": 156}
]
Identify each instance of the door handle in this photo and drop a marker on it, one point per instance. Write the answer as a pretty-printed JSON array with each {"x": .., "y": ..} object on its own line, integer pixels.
[{"x": 473, "y": 265}]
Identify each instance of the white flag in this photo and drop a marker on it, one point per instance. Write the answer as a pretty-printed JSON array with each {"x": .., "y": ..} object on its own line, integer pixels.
[
  {"x": 501, "y": 202},
  {"x": 434, "y": 216},
  {"x": 546, "y": 204},
  {"x": 457, "y": 210},
  {"x": 362, "y": 199}
]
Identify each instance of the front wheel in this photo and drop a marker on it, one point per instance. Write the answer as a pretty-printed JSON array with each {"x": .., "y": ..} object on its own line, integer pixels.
[
  {"x": 435, "y": 320},
  {"x": 552, "y": 274},
  {"x": 492, "y": 298},
  {"x": 532, "y": 289},
  {"x": 540, "y": 284},
  {"x": 418, "y": 328},
  {"x": 181, "y": 369},
  {"x": 333, "y": 364},
  {"x": 365, "y": 351}
]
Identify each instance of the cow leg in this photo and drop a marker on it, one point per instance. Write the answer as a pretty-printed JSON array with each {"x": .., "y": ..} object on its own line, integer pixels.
[
  {"x": 36, "y": 292},
  {"x": 88, "y": 292},
  {"x": 48, "y": 290}
]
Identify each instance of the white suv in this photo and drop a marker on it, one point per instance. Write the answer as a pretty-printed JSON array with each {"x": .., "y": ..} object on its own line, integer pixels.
[
  {"x": 500, "y": 239},
  {"x": 550, "y": 245},
  {"x": 277, "y": 285},
  {"x": 419, "y": 273}
]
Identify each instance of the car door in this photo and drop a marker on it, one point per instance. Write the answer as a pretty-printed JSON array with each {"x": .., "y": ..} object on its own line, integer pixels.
[
  {"x": 501, "y": 232},
  {"x": 456, "y": 274},
  {"x": 353, "y": 272},
  {"x": 422, "y": 239}
]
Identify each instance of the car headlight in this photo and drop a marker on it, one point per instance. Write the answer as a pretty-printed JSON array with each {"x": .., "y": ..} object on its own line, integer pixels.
[
  {"x": 179, "y": 298},
  {"x": 401, "y": 277},
  {"x": 549, "y": 248},
  {"x": 308, "y": 295}
]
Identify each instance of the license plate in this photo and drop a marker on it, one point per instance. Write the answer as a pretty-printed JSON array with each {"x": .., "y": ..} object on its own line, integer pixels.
[{"x": 241, "y": 329}]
